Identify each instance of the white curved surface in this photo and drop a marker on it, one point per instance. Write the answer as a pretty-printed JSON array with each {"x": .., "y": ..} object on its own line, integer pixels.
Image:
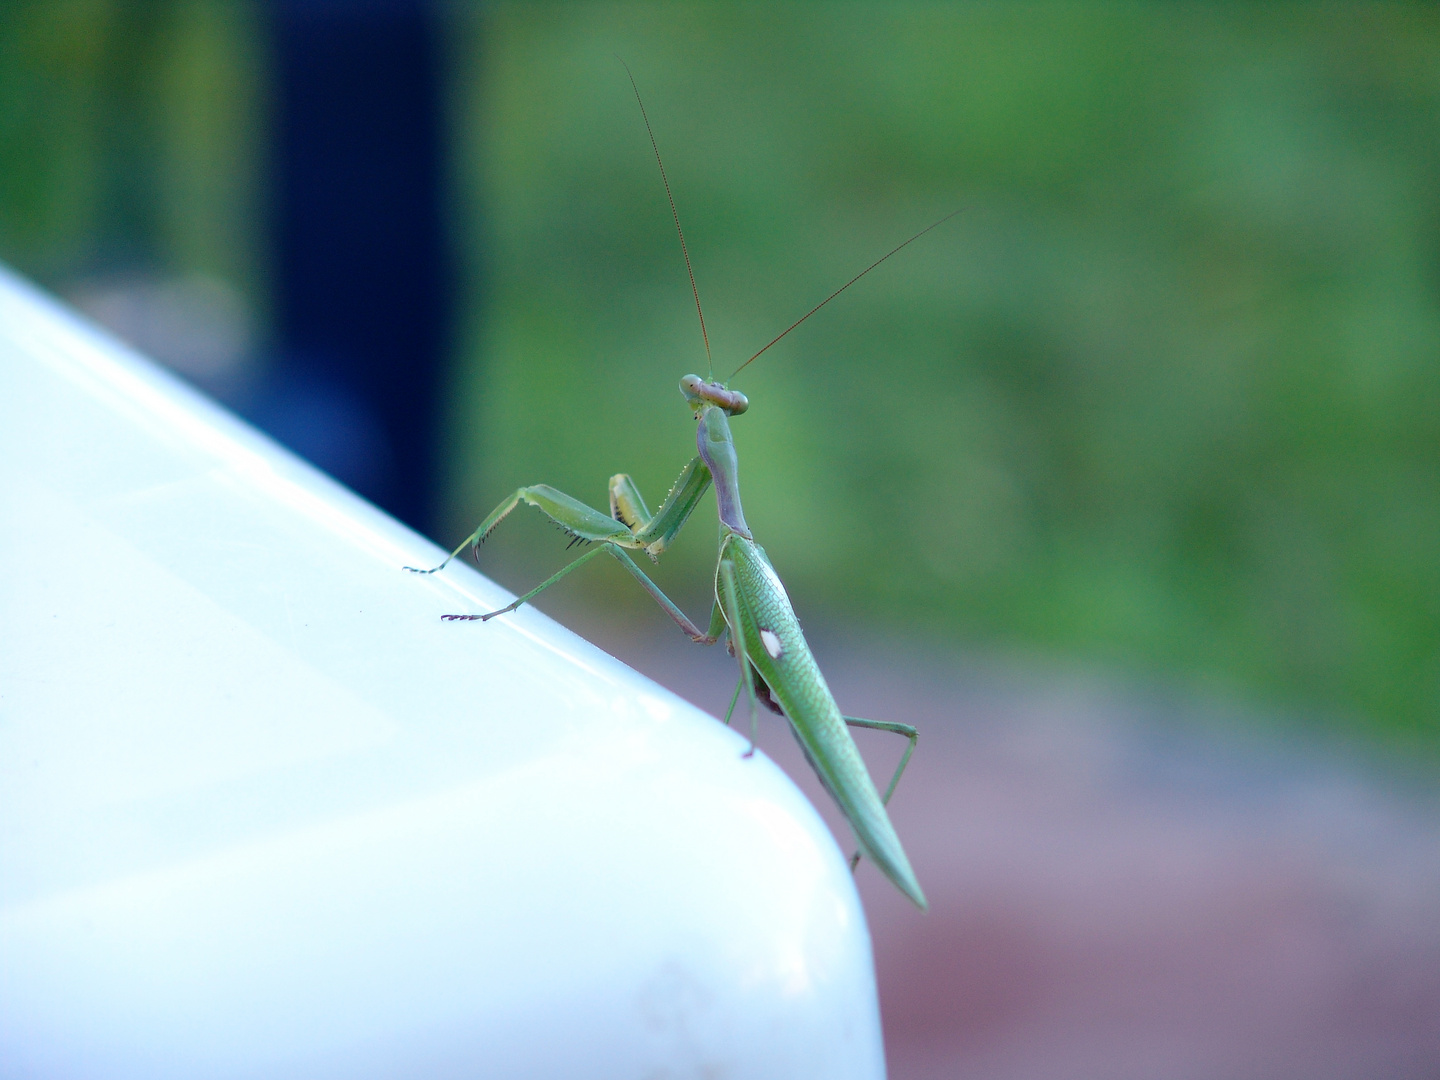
[{"x": 263, "y": 814}]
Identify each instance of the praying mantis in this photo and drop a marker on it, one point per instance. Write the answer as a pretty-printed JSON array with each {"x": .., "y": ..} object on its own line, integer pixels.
[{"x": 751, "y": 608}]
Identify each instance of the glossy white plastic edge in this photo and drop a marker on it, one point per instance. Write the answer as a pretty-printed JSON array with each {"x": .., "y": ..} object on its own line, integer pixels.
[{"x": 262, "y": 814}]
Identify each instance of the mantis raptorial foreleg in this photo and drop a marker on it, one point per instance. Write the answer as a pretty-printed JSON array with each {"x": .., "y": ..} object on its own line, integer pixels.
[
  {"x": 750, "y": 602},
  {"x": 585, "y": 524},
  {"x": 627, "y": 505}
]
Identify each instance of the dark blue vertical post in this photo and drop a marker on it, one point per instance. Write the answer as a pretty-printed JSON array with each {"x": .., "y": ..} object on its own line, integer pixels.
[{"x": 361, "y": 268}]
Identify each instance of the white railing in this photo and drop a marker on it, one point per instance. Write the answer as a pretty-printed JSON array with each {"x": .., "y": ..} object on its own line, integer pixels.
[{"x": 263, "y": 814}]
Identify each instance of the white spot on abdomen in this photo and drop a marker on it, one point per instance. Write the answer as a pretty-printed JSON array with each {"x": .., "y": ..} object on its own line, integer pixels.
[{"x": 772, "y": 644}]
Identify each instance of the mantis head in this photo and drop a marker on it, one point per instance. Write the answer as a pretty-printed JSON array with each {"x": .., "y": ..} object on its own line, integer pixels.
[{"x": 700, "y": 393}]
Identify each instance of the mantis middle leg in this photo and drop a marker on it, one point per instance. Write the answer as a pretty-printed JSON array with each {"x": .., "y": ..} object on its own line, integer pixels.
[
  {"x": 731, "y": 598},
  {"x": 585, "y": 524},
  {"x": 669, "y": 606}
]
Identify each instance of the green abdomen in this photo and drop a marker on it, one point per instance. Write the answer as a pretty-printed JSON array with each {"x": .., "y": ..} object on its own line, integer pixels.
[{"x": 778, "y": 651}]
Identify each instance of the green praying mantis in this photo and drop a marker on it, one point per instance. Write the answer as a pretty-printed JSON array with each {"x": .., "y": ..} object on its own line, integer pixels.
[{"x": 777, "y": 669}]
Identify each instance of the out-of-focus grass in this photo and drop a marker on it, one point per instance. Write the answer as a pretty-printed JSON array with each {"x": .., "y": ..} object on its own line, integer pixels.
[
  {"x": 130, "y": 140},
  {"x": 1163, "y": 396}
]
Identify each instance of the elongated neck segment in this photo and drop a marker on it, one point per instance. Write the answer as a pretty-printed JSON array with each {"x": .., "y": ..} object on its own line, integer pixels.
[{"x": 718, "y": 451}]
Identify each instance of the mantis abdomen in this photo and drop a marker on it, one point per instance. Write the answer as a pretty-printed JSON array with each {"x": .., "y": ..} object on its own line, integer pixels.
[
  {"x": 750, "y": 603},
  {"x": 776, "y": 648}
]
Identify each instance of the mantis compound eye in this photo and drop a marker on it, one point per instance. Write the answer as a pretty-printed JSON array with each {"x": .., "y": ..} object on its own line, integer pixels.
[{"x": 699, "y": 392}]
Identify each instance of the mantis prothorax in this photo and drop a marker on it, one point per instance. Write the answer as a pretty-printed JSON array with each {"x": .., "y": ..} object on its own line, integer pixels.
[{"x": 777, "y": 669}]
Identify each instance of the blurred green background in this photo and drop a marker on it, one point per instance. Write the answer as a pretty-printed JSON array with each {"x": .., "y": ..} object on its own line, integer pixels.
[
  {"x": 130, "y": 141},
  {"x": 1163, "y": 398}
]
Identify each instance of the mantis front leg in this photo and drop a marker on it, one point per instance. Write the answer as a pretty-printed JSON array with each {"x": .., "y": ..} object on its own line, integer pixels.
[{"x": 585, "y": 524}]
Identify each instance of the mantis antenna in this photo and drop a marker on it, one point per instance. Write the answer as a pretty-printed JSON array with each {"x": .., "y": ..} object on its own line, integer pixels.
[
  {"x": 709, "y": 364},
  {"x": 748, "y": 594},
  {"x": 842, "y": 288}
]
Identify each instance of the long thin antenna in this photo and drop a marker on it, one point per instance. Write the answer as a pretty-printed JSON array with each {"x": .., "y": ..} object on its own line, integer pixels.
[
  {"x": 709, "y": 364},
  {"x": 842, "y": 288}
]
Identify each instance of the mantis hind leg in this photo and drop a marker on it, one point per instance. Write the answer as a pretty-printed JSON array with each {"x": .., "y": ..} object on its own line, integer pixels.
[
  {"x": 762, "y": 693},
  {"x": 899, "y": 729}
]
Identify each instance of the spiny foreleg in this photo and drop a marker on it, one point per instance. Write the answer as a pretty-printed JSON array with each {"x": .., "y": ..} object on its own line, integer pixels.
[
  {"x": 627, "y": 505},
  {"x": 654, "y": 532}
]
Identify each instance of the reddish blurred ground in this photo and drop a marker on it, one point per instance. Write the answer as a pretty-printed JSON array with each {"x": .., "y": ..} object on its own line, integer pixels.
[{"x": 1120, "y": 889}]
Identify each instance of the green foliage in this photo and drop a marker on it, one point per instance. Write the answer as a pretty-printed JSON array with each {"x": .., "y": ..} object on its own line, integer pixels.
[
  {"x": 1164, "y": 395},
  {"x": 129, "y": 136}
]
